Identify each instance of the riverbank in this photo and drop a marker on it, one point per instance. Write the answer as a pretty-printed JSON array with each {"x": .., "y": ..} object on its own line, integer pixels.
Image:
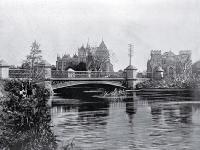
[
  {"x": 179, "y": 82},
  {"x": 163, "y": 90},
  {"x": 24, "y": 120}
]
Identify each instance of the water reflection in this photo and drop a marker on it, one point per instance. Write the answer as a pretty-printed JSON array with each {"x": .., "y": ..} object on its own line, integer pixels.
[
  {"x": 157, "y": 121},
  {"x": 131, "y": 109}
]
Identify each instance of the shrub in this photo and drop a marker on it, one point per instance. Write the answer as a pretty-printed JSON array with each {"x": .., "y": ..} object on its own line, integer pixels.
[
  {"x": 25, "y": 122},
  {"x": 180, "y": 81}
]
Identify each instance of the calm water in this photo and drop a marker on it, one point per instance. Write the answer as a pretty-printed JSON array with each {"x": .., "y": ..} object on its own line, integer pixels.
[{"x": 146, "y": 121}]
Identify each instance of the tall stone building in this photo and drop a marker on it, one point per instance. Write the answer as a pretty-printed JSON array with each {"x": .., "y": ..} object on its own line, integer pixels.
[
  {"x": 169, "y": 63},
  {"x": 82, "y": 54},
  {"x": 99, "y": 54},
  {"x": 90, "y": 56},
  {"x": 102, "y": 54}
]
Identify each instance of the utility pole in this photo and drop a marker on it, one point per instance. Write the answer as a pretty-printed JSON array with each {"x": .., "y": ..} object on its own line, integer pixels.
[{"x": 131, "y": 47}]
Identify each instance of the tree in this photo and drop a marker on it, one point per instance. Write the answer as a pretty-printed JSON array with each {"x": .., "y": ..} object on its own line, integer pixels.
[
  {"x": 26, "y": 65},
  {"x": 81, "y": 67},
  {"x": 98, "y": 62},
  {"x": 33, "y": 59},
  {"x": 35, "y": 56},
  {"x": 184, "y": 66}
]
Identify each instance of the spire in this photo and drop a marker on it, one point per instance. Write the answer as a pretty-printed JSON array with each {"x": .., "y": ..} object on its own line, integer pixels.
[
  {"x": 82, "y": 47},
  {"x": 102, "y": 45},
  {"x": 88, "y": 45}
]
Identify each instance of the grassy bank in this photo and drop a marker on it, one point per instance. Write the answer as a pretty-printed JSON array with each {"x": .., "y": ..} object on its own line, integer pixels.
[
  {"x": 24, "y": 122},
  {"x": 179, "y": 82}
]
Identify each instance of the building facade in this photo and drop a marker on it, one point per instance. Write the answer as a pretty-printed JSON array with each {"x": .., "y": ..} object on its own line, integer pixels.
[
  {"x": 91, "y": 56},
  {"x": 170, "y": 64},
  {"x": 66, "y": 61}
]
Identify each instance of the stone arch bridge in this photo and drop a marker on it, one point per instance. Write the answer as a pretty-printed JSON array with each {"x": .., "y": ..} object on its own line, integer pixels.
[{"x": 61, "y": 79}]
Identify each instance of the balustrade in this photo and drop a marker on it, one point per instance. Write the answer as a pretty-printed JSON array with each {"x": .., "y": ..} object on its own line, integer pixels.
[
  {"x": 25, "y": 73},
  {"x": 86, "y": 74}
]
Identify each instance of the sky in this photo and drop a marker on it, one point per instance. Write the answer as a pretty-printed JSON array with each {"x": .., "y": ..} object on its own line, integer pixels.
[{"x": 61, "y": 26}]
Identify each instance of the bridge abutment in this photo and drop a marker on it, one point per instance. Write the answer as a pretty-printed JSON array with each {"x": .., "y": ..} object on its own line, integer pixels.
[
  {"x": 130, "y": 76},
  {"x": 4, "y": 70}
]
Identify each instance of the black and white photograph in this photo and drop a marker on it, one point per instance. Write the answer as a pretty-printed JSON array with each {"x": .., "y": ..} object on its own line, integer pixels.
[{"x": 99, "y": 74}]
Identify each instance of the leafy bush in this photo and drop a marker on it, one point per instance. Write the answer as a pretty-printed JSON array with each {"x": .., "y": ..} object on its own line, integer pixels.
[{"x": 25, "y": 122}]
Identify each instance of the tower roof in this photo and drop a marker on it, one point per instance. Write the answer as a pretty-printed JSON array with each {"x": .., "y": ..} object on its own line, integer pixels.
[
  {"x": 88, "y": 45},
  {"x": 103, "y": 46},
  {"x": 82, "y": 48}
]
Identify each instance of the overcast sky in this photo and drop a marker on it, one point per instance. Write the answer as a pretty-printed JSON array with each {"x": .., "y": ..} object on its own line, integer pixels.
[{"x": 64, "y": 25}]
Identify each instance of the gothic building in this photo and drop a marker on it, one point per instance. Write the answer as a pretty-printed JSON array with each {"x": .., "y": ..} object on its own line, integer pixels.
[
  {"x": 91, "y": 56},
  {"x": 66, "y": 61},
  {"x": 169, "y": 63}
]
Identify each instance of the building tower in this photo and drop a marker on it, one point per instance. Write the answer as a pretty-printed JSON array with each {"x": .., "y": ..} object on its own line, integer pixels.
[{"x": 82, "y": 54}]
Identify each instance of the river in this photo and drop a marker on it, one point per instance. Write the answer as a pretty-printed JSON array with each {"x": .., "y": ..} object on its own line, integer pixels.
[{"x": 154, "y": 120}]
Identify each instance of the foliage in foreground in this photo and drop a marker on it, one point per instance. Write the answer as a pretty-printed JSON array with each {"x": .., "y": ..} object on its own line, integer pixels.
[
  {"x": 25, "y": 122},
  {"x": 181, "y": 81}
]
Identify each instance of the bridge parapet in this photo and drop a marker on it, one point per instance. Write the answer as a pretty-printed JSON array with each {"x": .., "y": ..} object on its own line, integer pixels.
[
  {"x": 86, "y": 74},
  {"x": 27, "y": 73}
]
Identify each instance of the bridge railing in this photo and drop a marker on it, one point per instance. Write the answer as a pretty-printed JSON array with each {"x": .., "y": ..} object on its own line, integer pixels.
[
  {"x": 26, "y": 73},
  {"x": 19, "y": 73},
  {"x": 86, "y": 74}
]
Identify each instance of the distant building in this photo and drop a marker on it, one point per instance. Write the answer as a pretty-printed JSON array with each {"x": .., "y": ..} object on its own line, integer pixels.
[
  {"x": 103, "y": 54},
  {"x": 66, "y": 61},
  {"x": 82, "y": 54},
  {"x": 86, "y": 55},
  {"x": 169, "y": 63}
]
